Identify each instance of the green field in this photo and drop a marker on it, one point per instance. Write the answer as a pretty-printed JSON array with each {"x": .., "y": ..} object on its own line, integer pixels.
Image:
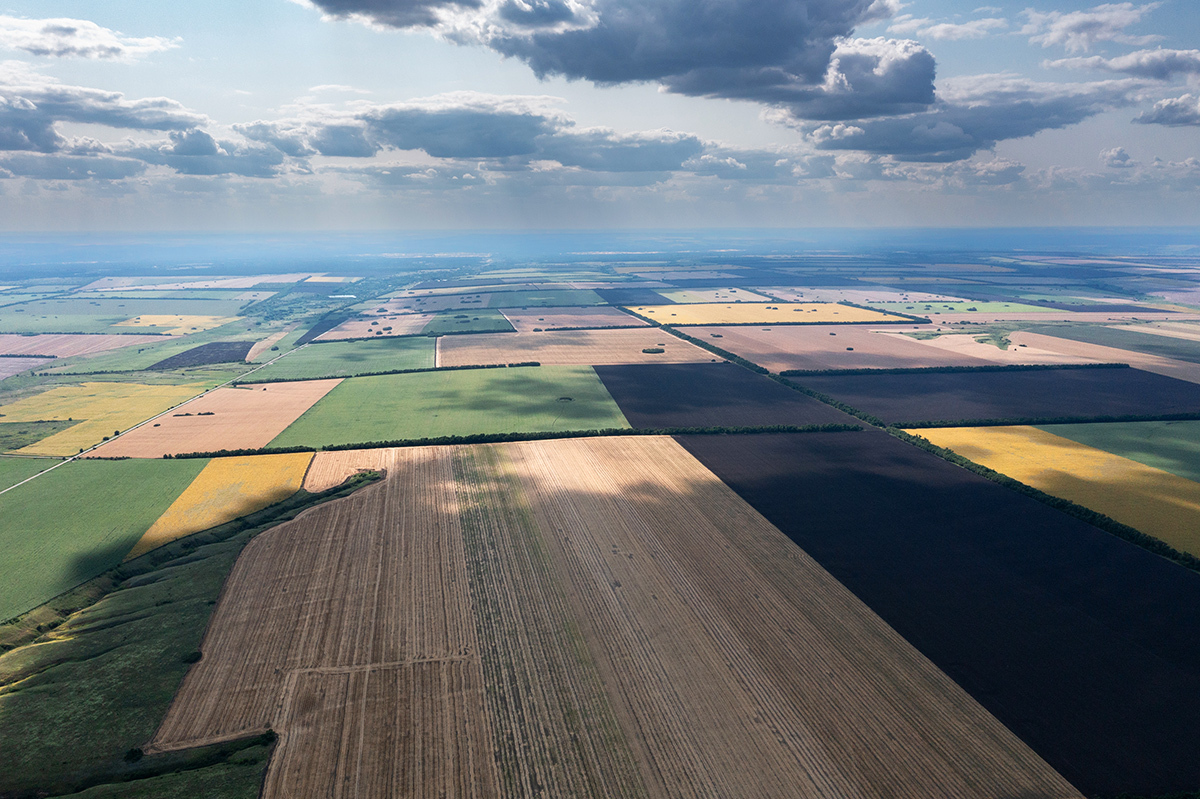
[
  {"x": 347, "y": 358},
  {"x": 539, "y": 299},
  {"x": 960, "y": 307},
  {"x": 73, "y": 315},
  {"x": 475, "y": 321},
  {"x": 14, "y": 470},
  {"x": 14, "y": 435},
  {"x": 456, "y": 403},
  {"x": 79, "y": 520},
  {"x": 1148, "y": 343},
  {"x": 142, "y": 356},
  {"x": 1171, "y": 446}
]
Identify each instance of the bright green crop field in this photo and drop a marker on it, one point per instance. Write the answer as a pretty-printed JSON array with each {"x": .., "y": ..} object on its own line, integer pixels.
[
  {"x": 14, "y": 470},
  {"x": 79, "y": 520},
  {"x": 472, "y": 321},
  {"x": 1171, "y": 446},
  {"x": 347, "y": 358},
  {"x": 456, "y": 403}
]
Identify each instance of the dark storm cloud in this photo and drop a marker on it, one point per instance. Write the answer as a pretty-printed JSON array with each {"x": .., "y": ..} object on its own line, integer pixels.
[
  {"x": 604, "y": 151},
  {"x": 394, "y": 13},
  {"x": 459, "y": 132}
]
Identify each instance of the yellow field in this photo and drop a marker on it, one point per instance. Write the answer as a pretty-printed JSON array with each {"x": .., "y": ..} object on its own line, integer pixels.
[
  {"x": 1158, "y": 503},
  {"x": 100, "y": 408},
  {"x": 180, "y": 325},
  {"x": 227, "y": 489},
  {"x": 767, "y": 313}
]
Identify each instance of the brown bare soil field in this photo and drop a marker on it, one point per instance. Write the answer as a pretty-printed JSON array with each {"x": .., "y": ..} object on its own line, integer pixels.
[
  {"x": 228, "y": 418},
  {"x": 526, "y": 320},
  {"x": 827, "y": 347},
  {"x": 68, "y": 345},
  {"x": 404, "y": 324},
  {"x": 579, "y": 347},
  {"x": 1180, "y": 370},
  {"x": 268, "y": 342},
  {"x": 587, "y": 617}
]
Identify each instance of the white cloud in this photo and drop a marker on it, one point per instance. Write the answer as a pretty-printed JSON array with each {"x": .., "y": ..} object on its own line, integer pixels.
[
  {"x": 1077, "y": 31},
  {"x": 1158, "y": 64},
  {"x": 78, "y": 38},
  {"x": 1175, "y": 112},
  {"x": 908, "y": 25}
]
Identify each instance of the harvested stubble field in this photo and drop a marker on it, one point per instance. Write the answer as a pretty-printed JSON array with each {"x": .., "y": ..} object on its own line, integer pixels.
[
  {"x": 408, "y": 324},
  {"x": 1154, "y": 501},
  {"x": 177, "y": 324},
  {"x": 710, "y": 395},
  {"x": 762, "y": 313},
  {"x": 526, "y": 321},
  {"x": 557, "y": 619},
  {"x": 69, "y": 345},
  {"x": 1035, "y": 394},
  {"x": 349, "y": 358},
  {"x": 828, "y": 347},
  {"x": 1085, "y": 646},
  {"x": 867, "y": 296},
  {"x": 14, "y": 366},
  {"x": 966, "y": 345},
  {"x": 99, "y": 409},
  {"x": 227, "y": 489},
  {"x": 228, "y": 418},
  {"x": 1176, "y": 349},
  {"x": 573, "y": 347},
  {"x": 713, "y": 295},
  {"x": 1180, "y": 370}
]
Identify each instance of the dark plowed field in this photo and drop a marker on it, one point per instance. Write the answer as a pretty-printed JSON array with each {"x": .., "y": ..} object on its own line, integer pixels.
[
  {"x": 709, "y": 395},
  {"x": 1086, "y": 647},
  {"x": 216, "y": 352},
  {"x": 1015, "y": 395},
  {"x": 632, "y": 297}
]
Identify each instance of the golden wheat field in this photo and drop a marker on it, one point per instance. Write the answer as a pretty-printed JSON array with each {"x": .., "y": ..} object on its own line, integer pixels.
[
  {"x": 766, "y": 313},
  {"x": 1156, "y": 502},
  {"x": 226, "y": 489},
  {"x": 587, "y": 617},
  {"x": 574, "y": 348},
  {"x": 100, "y": 409}
]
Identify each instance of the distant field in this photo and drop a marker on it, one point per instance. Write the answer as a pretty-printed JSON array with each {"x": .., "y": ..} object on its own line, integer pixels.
[
  {"x": 712, "y": 295},
  {"x": 924, "y": 308},
  {"x": 98, "y": 408},
  {"x": 1156, "y": 502},
  {"x": 580, "y": 347},
  {"x": 1169, "y": 367},
  {"x": 177, "y": 324},
  {"x": 579, "y": 316},
  {"x": 14, "y": 366},
  {"x": 1171, "y": 446},
  {"x": 1086, "y": 647},
  {"x": 14, "y": 470},
  {"x": 428, "y": 404},
  {"x": 72, "y": 315},
  {"x": 70, "y": 345},
  {"x": 226, "y": 489},
  {"x": 79, "y": 520},
  {"x": 227, "y": 418},
  {"x": 760, "y": 313},
  {"x": 1178, "y": 349},
  {"x": 1038, "y": 394},
  {"x": 344, "y": 359},
  {"x": 15, "y": 435},
  {"x": 205, "y": 354},
  {"x": 405, "y": 324},
  {"x": 582, "y": 618},
  {"x": 467, "y": 322},
  {"x": 553, "y": 297}
]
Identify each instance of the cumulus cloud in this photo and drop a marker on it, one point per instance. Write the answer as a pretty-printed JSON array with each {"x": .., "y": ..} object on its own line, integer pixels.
[
  {"x": 69, "y": 167},
  {"x": 907, "y": 25},
  {"x": 1175, "y": 112},
  {"x": 79, "y": 38},
  {"x": 1078, "y": 30},
  {"x": 196, "y": 152},
  {"x": 393, "y": 13},
  {"x": 1160, "y": 64},
  {"x": 1117, "y": 158},
  {"x": 974, "y": 114}
]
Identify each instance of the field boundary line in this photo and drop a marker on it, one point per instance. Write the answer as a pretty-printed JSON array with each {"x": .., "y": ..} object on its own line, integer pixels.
[{"x": 907, "y": 370}]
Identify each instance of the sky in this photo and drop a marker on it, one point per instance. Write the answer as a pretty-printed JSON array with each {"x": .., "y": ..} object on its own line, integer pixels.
[{"x": 343, "y": 115}]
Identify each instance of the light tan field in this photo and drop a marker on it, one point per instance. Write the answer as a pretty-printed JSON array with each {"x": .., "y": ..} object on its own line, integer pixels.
[
  {"x": 1183, "y": 330},
  {"x": 241, "y": 418},
  {"x": 860, "y": 296},
  {"x": 1182, "y": 370},
  {"x": 132, "y": 284},
  {"x": 226, "y": 489},
  {"x": 826, "y": 347},
  {"x": 14, "y": 366},
  {"x": 1158, "y": 503},
  {"x": 408, "y": 324},
  {"x": 69, "y": 345},
  {"x": 579, "y": 347},
  {"x": 713, "y": 295},
  {"x": 178, "y": 324},
  {"x": 574, "y": 316},
  {"x": 761, "y": 313},
  {"x": 265, "y": 344},
  {"x": 965, "y": 344},
  {"x": 588, "y": 617},
  {"x": 1051, "y": 315}
]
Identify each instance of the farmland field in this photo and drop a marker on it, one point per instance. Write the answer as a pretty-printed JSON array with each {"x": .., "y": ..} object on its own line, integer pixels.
[
  {"x": 710, "y": 394},
  {"x": 1181, "y": 370},
  {"x": 1085, "y": 646},
  {"x": 1171, "y": 446},
  {"x": 177, "y": 324},
  {"x": 73, "y": 523},
  {"x": 205, "y": 354},
  {"x": 1046, "y": 393},
  {"x": 580, "y": 347},
  {"x": 15, "y": 435},
  {"x": 98, "y": 408},
  {"x": 631, "y": 296},
  {"x": 486, "y": 321},
  {"x": 525, "y": 321},
  {"x": 543, "y": 298},
  {"x": 761, "y": 313},
  {"x": 964, "y": 307},
  {"x": 14, "y": 470},
  {"x": 228, "y": 418},
  {"x": 1154, "y": 501},
  {"x": 828, "y": 347},
  {"x": 226, "y": 489},
  {"x": 456, "y": 403},
  {"x": 345, "y": 359},
  {"x": 67, "y": 346},
  {"x": 1178, "y": 349},
  {"x": 712, "y": 295},
  {"x": 406, "y": 324},
  {"x": 567, "y": 629},
  {"x": 14, "y": 366}
]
